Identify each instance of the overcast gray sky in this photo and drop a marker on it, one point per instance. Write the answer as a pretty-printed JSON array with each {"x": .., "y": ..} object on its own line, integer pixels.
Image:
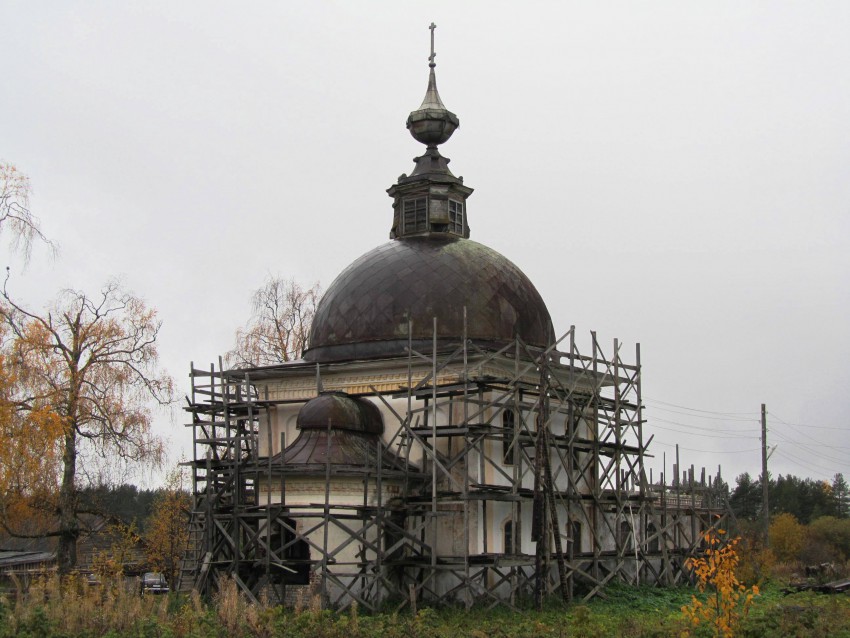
[{"x": 670, "y": 173}]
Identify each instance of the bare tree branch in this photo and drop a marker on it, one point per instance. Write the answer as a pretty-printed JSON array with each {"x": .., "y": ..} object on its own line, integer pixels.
[
  {"x": 15, "y": 214},
  {"x": 279, "y": 327}
]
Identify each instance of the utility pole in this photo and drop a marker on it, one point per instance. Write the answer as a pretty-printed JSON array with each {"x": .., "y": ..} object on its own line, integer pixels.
[{"x": 764, "y": 503}]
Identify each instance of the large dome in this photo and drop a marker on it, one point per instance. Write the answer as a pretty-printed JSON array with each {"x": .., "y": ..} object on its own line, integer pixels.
[{"x": 365, "y": 312}]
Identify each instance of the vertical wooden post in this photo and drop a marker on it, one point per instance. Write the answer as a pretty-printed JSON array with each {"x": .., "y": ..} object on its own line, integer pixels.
[
  {"x": 468, "y": 599},
  {"x": 327, "y": 515},
  {"x": 677, "y": 514},
  {"x": 434, "y": 522},
  {"x": 765, "y": 505}
]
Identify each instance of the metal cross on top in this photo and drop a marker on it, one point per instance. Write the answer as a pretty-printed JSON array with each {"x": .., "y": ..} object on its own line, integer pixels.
[{"x": 433, "y": 55}]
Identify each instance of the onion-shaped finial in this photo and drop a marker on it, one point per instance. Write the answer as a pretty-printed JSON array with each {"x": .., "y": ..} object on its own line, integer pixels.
[{"x": 432, "y": 123}]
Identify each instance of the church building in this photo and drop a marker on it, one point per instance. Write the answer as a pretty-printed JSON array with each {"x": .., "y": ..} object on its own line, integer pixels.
[{"x": 437, "y": 442}]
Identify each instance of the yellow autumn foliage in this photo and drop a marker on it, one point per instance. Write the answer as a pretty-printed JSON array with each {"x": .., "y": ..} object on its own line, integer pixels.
[
  {"x": 167, "y": 531},
  {"x": 31, "y": 432},
  {"x": 787, "y": 536},
  {"x": 728, "y": 600},
  {"x": 78, "y": 380}
]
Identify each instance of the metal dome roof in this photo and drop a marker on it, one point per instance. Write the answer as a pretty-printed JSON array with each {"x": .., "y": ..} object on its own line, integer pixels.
[
  {"x": 391, "y": 296},
  {"x": 340, "y": 430},
  {"x": 365, "y": 312},
  {"x": 341, "y": 412}
]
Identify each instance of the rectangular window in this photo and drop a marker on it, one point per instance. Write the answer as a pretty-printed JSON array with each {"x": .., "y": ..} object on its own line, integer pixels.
[
  {"x": 654, "y": 546},
  {"x": 290, "y": 551},
  {"x": 415, "y": 215},
  {"x": 456, "y": 217},
  {"x": 574, "y": 530},
  {"x": 508, "y": 540},
  {"x": 625, "y": 537}
]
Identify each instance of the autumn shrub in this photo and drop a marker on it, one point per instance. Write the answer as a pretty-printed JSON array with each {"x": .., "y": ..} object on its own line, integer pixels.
[
  {"x": 167, "y": 530},
  {"x": 728, "y": 600},
  {"x": 756, "y": 563},
  {"x": 108, "y": 564},
  {"x": 787, "y": 536},
  {"x": 834, "y": 534}
]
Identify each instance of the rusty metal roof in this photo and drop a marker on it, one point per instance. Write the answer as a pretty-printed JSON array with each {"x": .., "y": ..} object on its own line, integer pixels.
[
  {"x": 346, "y": 450},
  {"x": 342, "y": 430},
  {"x": 365, "y": 312},
  {"x": 341, "y": 412}
]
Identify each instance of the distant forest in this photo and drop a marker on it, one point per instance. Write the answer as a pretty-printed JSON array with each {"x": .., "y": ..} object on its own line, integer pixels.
[
  {"x": 125, "y": 503},
  {"x": 806, "y": 499}
]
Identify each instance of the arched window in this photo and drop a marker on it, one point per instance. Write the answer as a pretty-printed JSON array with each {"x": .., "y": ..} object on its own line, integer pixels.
[{"x": 508, "y": 429}]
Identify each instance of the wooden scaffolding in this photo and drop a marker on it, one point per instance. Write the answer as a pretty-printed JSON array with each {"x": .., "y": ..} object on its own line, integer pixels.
[{"x": 554, "y": 445}]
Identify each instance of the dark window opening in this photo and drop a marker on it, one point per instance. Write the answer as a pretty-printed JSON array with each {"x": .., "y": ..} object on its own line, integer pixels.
[
  {"x": 415, "y": 217},
  {"x": 652, "y": 535},
  {"x": 508, "y": 537},
  {"x": 574, "y": 531},
  {"x": 292, "y": 552},
  {"x": 509, "y": 427},
  {"x": 394, "y": 541}
]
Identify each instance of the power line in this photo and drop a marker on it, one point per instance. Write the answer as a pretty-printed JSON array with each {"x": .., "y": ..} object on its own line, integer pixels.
[
  {"x": 703, "y": 416},
  {"x": 688, "y": 449},
  {"x": 807, "y": 425},
  {"x": 706, "y": 431},
  {"x": 694, "y": 427},
  {"x": 808, "y": 437},
  {"x": 802, "y": 464},
  {"x": 710, "y": 436},
  {"x": 684, "y": 407},
  {"x": 805, "y": 448},
  {"x": 807, "y": 444}
]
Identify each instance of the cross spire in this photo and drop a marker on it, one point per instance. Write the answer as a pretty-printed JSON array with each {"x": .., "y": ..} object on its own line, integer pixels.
[{"x": 433, "y": 55}]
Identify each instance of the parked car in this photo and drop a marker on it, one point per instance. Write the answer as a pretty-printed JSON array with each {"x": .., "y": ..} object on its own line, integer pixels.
[{"x": 154, "y": 583}]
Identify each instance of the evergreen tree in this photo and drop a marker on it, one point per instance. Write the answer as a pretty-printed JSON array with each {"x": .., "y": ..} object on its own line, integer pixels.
[
  {"x": 746, "y": 497},
  {"x": 840, "y": 496}
]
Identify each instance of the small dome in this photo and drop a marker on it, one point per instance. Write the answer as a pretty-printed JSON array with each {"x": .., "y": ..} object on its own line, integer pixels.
[
  {"x": 365, "y": 312},
  {"x": 353, "y": 443},
  {"x": 342, "y": 412}
]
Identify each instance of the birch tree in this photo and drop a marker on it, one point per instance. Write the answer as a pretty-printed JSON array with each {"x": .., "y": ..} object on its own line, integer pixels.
[
  {"x": 85, "y": 371},
  {"x": 16, "y": 218},
  {"x": 279, "y": 327}
]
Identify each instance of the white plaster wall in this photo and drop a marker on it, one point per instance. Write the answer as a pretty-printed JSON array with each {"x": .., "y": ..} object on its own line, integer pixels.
[{"x": 451, "y": 529}]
